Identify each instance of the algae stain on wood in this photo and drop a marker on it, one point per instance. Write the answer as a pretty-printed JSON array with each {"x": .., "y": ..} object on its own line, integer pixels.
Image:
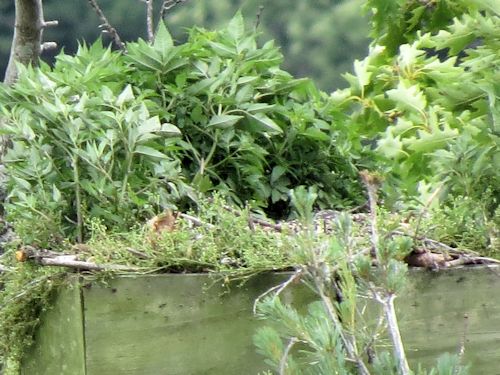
[
  {"x": 59, "y": 341},
  {"x": 186, "y": 324},
  {"x": 171, "y": 325},
  {"x": 445, "y": 307}
]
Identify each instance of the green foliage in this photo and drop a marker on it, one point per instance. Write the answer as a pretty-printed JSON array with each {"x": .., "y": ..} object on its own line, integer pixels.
[
  {"x": 398, "y": 22},
  {"x": 318, "y": 39},
  {"x": 25, "y": 293},
  {"x": 434, "y": 119},
  {"x": 342, "y": 332},
  {"x": 224, "y": 244},
  {"x": 119, "y": 137}
]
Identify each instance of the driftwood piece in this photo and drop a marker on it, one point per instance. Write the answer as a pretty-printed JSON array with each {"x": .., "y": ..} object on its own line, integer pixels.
[{"x": 50, "y": 258}]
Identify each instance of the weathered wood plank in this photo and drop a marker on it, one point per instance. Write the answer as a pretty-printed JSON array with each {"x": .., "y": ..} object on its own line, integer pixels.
[
  {"x": 432, "y": 316},
  {"x": 173, "y": 325},
  {"x": 59, "y": 346},
  {"x": 176, "y": 324}
]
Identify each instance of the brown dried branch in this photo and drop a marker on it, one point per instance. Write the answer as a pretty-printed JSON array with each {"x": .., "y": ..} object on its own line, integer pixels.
[
  {"x": 167, "y": 5},
  {"x": 197, "y": 222},
  {"x": 106, "y": 26},
  {"x": 51, "y": 258}
]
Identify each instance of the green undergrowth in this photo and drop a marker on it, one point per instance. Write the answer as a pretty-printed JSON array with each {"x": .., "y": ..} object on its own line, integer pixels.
[{"x": 225, "y": 245}]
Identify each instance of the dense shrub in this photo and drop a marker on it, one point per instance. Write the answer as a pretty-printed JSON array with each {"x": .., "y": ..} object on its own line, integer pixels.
[{"x": 121, "y": 136}]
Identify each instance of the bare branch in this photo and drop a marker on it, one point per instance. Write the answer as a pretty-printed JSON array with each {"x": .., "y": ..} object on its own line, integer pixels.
[
  {"x": 278, "y": 288},
  {"x": 48, "y": 46},
  {"x": 197, "y": 222},
  {"x": 392, "y": 324},
  {"x": 51, "y": 258},
  {"x": 258, "y": 17},
  {"x": 149, "y": 20},
  {"x": 106, "y": 26},
  {"x": 67, "y": 261},
  {"x": 137, "y": 253},
  {"x": 4, "y": 268},
  {"x": 50, "y": 23},
  {"x": 284, "y": 358},
  {"x": 167, "y": 5}
]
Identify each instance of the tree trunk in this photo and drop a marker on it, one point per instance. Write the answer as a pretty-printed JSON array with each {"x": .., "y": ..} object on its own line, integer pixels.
[{"x": 27, "y": 41}]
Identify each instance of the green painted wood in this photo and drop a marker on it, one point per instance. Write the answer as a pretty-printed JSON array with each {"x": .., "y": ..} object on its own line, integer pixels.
[
  {"x": 59, "y": 346},
  {"x": 172, "y": 324},
  {"x": 432, "y": 316},
  {"x": 182, "y": 324}
]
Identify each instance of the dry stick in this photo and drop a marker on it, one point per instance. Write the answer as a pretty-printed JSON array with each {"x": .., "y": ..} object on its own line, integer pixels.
[
  {"x": 137, "y": 253},
  {"x": 149, "y": 19},
  {"x": 70, "y": 262},
  {"x": 4, "y": 268},
  {"x": 371, "y": 182},
  {"x": 283, "y": 359},
  {"x": 258, "y": 17},
  {"x": 167, "y": 5},
  {"x": 278, "y": 288},
  {"x": 197, "y": 222},
  {"x": 106, "y": 26}
]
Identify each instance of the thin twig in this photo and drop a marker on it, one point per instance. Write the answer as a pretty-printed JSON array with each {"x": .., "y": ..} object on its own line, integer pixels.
[
  {"x": 197, "y": 222},
  {"x": 258, "y": 17},
  {"x": 284, "y": 358},
  {"x": 386, "y": 298},
  {"x": 137, "y": 253},
  {"x": 392, "y": 323},
  {"x": 106, "y": 26},
  {"x": 167, "y": 5},
  {"x": 65, "y": 261},
  {"x": 278, "y": 288},
  {"x": 149, "y": 20}
]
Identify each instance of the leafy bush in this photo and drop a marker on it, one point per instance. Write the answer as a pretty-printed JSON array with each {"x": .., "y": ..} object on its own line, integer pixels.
[
  {"x": 430, "y": 106},
  {"x": 120, "y": 137}
]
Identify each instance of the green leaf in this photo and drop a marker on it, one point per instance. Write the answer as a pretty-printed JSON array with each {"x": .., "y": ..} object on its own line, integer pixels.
[
  {"x": 163, "y": 40},
  {"x": 125, "y": 96},
  {"x": 151, "y": 125},
  {"x": 407, "y": 97},
  {"x": 149, "y": 151},
  {"x": 56, "y": 194},
  {"x": 170, "y": 130},
  {"x": 362, "y": 74},
  {"x": 223, "y": 49},
  {"x": 258, "y": 107},
  {"x": 236, "y": 27},
  {"x": 316, "y": 134},
  {"x": 265, "y": 122},
  {"x": 224, "y": 121},
  {"x": 277, "y": 172},
  {"x": 390, "y": 146}
]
